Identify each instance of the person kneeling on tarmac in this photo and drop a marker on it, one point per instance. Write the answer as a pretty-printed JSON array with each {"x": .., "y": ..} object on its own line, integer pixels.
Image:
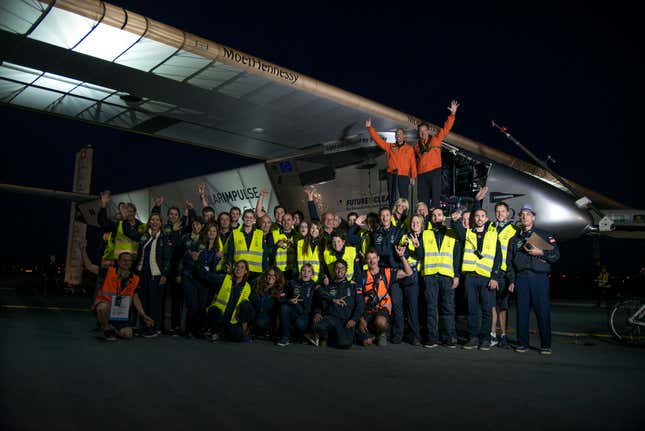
[
  {"x": 340, "y": 307},
  {"x": 230, "y": 312},
  {"x": 114, "y": 299},
  {"x": 297, "y": 309},
  {"x": 378, "y": 304}
]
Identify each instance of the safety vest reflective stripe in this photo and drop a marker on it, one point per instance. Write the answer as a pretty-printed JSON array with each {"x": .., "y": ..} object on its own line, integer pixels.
[
  {"x": 504, "y": 237},
  {"x": 308, "y": 256},
  {"x": 439, "y": 254},
  {"x": 414, "y": 264},
  {"x": 471, "y": 262},
  {"x": 253, "y": 255},
  {"x": 349, "y": 256},
  {"x": 435, "y": 260},
  {"x": 123, "y": 243},
  {"x": 439, "y": 265},
  {"x": 479, "y": 264},
  {"x": 280, "y": 253},
  {"x": 251, "y": 252},
  {"x": 284, "y": 257},
  {"x": 112, "y": 286},
  {"x": 384, "y": 299},
  {"x": 108, "y": 252},
  {"x": 221, "y": 300}
]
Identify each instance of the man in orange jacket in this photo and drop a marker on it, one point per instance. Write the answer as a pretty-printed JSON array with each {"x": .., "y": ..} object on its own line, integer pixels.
[
  {"x": 428, "y": 153},
  {"x": 401, "y": 163}
]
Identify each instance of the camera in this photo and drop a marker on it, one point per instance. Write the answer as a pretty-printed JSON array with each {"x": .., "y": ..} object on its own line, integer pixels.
[{"x": 372, "y": 299}]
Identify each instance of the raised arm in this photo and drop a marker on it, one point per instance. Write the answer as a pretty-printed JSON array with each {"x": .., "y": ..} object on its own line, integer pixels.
[
  {"x": 450, "y": 121},
  {"x": 313, "y": 212},
  {"x": 259, "y": 212},
  {"x": 407, "y": 271},
  {"x": 157, "y": 203},
  {"x": 375, "y": 136},
  {"x": 201, "y": 189},
  {"x": 103, "y": 219}
]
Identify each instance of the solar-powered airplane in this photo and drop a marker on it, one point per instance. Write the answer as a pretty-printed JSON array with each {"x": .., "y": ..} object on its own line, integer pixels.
[{"x": 99, "y": 63}]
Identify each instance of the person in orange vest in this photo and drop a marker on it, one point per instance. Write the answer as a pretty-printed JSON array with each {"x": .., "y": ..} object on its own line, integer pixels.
[
  {"x": 114, "y": 299},
  {"x": 401, "y": 163},
  {"x": 428, "y": 153},
  {"x": 373, "y": 324}
]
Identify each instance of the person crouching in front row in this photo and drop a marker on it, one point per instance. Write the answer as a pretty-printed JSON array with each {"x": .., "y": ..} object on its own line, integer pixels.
[
  {"x": 230, "y": 312},
  {"x": 373, "y": 325},
  {"x": 340, "y": 307},
  {"x": 296, "y": 310}
]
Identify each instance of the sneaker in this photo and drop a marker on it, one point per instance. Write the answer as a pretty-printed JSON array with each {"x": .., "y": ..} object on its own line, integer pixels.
[
  {"x": 381, "y": 340},
  {"x": 451, "y": 344},
  {"x": 430, "y": 344},
  {"x": 214, "y": 337},
  {"x": 546, "y": 351},
  {"x": 150, "y": 333},
  {"x": 396, "y": 340},
  {"x": 485, "y": 345},
  {"x": 109, "y": 335},
  {"x": 473, "y": 343},
  {"x": 521, "y": 349},
  {"x": 313, "y": 339},
  {"x": 283, "y": 342},
  {"x": 415, "y": 342},
  {"x": 503, "y": 342},
  {"x": 494, "y": 341}
]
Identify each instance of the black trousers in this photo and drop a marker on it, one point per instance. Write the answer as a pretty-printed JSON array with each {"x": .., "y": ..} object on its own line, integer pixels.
[
  {"x": 333, "y": 329},
  {"x": 429, "y": 188},
  {"x": 151, "y": 295},
  {"x": 196, "y": 299},
  {"x": 234, "y": 331},
  {"x": 398, "y": 186}
]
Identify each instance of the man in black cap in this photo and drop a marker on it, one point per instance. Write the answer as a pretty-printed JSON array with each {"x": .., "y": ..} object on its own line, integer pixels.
[{"x": 530, "y": 255}]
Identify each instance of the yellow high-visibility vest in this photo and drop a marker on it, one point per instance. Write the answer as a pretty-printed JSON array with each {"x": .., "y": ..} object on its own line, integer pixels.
[
  {"x": 253, "y": 254},
  {"x": 411, "y": 248},
  {"x": 223, "y": 246},
  {"x": 284, "y": 257},
  {"x": 108, "y": 251},
  {"x": 308, "y": 256},
  {"x": 471, "y": 262},
  {"x": 123, "y": 243},
  {"x": 504, "y": 236},
  {"x": 365, "y": 240},
  {"x": 405, "y": 224},
  {"x": 349, "y": 256},
  {"x": 221, "y": 300},
  {"x": 439, "y": 260}
]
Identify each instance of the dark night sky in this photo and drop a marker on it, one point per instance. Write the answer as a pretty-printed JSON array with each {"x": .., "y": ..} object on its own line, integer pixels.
[{"x": 566, "y": 78}]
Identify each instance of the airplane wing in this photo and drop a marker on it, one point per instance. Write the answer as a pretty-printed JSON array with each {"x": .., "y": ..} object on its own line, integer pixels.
[{"x": 99, "y": 63}]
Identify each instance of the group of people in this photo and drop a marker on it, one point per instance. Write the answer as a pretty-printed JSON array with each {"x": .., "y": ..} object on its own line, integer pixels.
[
  {"x": 419, "y": 164},
  {"x": 367, "y": 279}
]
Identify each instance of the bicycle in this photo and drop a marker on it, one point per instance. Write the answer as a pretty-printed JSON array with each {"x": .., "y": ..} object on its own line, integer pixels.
[{"x": 627, "y": 320}]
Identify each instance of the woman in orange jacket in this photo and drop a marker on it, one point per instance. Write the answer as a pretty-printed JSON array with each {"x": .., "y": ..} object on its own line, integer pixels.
[
  {"x": 428, "y": 153},
  {"x": 401, "y": 164}
]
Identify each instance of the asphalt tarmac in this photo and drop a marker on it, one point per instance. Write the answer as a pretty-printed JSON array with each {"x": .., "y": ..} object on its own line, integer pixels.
[{"x": 58, "y": 374}]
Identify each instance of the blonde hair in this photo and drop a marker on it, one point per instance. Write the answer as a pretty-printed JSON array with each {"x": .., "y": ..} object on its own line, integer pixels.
[{"x": 402, "y": 201}]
